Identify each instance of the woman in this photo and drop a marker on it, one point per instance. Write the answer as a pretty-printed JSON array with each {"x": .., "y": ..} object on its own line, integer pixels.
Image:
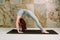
[{"x": 30, "y": 14}]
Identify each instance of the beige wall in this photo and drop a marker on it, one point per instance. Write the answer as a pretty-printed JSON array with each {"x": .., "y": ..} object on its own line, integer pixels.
[{"x": 43, "y": 9}]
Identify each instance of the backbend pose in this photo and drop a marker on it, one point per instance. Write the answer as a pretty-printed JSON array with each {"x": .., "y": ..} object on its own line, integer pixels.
[{"x": 30, "y": 14}]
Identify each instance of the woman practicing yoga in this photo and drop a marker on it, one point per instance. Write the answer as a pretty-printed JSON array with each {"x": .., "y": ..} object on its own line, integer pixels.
[{"x": 30, "y": 14}]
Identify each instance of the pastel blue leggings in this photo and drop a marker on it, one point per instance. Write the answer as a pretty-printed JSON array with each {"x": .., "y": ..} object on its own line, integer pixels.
[{"x": 29, "y": 13}]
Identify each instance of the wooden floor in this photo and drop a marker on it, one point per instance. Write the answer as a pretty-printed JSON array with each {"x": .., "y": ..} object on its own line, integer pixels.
[{"x": 4, "y": 36}]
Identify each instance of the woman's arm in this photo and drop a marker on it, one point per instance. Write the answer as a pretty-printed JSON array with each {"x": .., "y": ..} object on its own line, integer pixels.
[{"x": 17, "y": 23}]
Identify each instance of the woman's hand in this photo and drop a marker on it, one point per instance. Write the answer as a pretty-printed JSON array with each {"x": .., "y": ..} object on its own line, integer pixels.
[{"x": 19, "y": 31}]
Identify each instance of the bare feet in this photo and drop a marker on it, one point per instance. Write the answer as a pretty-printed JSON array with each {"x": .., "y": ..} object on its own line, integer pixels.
[{"x": 45, "y": 31}]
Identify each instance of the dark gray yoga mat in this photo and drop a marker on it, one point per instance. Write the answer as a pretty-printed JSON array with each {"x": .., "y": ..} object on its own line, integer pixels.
[{"x": 14, "y": 31}]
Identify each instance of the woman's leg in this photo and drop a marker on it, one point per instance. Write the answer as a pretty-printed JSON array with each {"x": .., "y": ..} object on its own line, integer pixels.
[{"x": 35, "y": 19}]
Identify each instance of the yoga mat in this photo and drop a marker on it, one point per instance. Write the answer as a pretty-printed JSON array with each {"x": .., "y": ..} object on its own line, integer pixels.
[{"x": 14, "y": 31}]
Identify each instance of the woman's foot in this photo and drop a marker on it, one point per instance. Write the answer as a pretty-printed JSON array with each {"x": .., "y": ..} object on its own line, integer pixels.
[{"x": 45, "y": 31}]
